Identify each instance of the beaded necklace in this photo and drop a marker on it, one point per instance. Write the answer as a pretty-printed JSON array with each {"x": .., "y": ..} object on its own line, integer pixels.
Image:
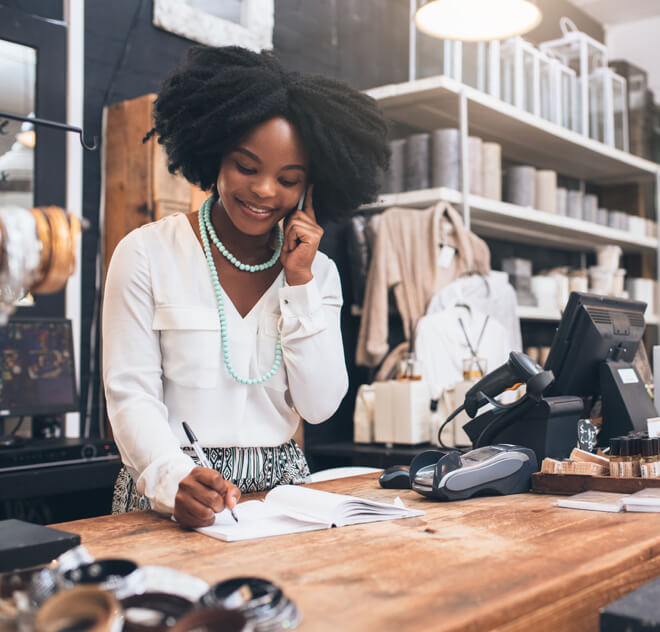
[
  {"x": 208, "y": 205},
  {"x": 206, "y": 229}
]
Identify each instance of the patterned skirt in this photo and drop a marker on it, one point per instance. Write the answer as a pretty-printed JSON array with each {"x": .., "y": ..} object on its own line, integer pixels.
[{"x": 250, "y": 469}]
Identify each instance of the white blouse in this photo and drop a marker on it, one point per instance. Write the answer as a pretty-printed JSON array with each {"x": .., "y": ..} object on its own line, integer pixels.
[{"x": 162, "y": 356}]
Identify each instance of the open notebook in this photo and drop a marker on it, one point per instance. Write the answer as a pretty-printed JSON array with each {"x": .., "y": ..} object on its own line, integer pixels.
[{"x": 292, "y": 509}]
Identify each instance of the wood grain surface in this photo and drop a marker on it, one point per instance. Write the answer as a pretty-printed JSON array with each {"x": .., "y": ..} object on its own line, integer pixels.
[{"x": 498, "y": 563}]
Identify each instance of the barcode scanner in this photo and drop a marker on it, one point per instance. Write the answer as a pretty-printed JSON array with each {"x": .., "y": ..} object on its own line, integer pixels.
[{"x": 519, "y": 368}]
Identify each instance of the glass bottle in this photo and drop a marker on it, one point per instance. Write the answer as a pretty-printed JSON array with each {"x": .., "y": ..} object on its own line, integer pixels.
[
  {"x": 650, "y": 462},
  {"x": 626, "y": 458},
  {"x": 615, "y": 457}
]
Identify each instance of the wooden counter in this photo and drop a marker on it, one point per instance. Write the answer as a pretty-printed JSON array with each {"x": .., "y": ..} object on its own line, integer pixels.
[{"x": 499, "y": 563}]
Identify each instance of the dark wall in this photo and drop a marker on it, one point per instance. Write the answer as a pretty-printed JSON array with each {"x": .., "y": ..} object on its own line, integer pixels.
[
  {"x": 364, "y": 42},
  {"x": 51, "y": 9},
  {"x": 126, "y": 57}
]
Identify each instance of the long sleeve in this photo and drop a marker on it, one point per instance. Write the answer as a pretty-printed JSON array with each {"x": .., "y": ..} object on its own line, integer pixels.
[
  {"x": 372, "y": 344},
  {"x": 132, "y": 378},
  {"x": 312, "y": 345}
]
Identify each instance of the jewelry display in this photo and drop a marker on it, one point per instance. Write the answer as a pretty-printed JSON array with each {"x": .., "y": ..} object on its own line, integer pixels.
[
  {"x": 37, "y": 253},
  {"x": 205, "y": 229},
  {"x": 21, "y": 257}
]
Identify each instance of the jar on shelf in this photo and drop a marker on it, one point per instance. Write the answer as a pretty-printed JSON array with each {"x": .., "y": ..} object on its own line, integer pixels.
[
  {"x": 563, "y": 95},
  {"x": 520, "y": 75},
  {"x": 584, "y": 55},
  {"x": 480, "y": 66},
  {"x": 608, "y": 109}
]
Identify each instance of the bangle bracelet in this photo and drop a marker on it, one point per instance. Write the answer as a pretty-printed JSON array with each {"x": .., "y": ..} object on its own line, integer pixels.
[
  {"x": 80, "y": 608},
  {"x": 60, "y": 263}
]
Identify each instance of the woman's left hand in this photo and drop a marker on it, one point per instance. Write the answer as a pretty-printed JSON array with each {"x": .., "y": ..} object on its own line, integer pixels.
[{"x": 301, "y": 241}]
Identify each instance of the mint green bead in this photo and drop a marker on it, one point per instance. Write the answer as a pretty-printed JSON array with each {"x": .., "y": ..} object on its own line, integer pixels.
[{"x": 206, "y": 229}]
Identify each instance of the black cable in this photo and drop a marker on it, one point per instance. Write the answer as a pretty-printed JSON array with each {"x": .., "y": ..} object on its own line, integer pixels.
[
  {"x": 446, "y": 421},
  {"x": 18, "y": 425}
]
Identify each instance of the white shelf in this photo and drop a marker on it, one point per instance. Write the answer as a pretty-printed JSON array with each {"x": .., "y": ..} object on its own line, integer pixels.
[
  {"x": 526, "y": 312},
  {"x": 432, "y": 103},
  {"x": 532, "y": 313},
  {"x": 501, "y": 220}
]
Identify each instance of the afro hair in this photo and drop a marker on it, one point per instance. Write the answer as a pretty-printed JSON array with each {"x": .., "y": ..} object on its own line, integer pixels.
[{"x": 218, "y": 95}]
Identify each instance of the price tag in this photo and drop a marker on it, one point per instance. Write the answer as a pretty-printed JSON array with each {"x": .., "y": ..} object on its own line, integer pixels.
[
  {"x": 586, "y": 435},
  {"x": 446, "y": 256}
]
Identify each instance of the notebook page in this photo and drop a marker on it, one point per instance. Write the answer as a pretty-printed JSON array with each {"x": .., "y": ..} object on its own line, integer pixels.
[
  {"x": 338, "y": 509},
  {"x": 257, "y": 519}
]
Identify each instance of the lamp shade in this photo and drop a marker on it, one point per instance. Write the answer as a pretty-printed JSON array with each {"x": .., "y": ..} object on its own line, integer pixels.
[{"x": 477, "y": 20}]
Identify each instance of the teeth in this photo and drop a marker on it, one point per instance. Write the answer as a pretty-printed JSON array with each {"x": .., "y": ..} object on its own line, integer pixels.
[{"x": 254, "y": 209}]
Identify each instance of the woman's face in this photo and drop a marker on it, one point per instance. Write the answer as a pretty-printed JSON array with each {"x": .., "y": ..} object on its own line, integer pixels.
[{"x": 262, "y": 178}]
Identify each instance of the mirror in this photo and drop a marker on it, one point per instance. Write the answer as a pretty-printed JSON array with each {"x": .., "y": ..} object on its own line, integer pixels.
[{"x": 18, "y": 68}]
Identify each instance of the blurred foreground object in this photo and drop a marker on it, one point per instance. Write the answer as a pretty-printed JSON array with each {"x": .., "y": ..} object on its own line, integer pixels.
[{"x": 37, "y": 252}]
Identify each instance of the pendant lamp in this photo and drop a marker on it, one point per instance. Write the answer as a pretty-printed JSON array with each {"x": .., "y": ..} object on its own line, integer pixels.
[{"x": 477, "y": 20}]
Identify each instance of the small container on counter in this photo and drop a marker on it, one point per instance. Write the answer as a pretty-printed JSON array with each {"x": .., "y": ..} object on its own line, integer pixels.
[{"x": 650, "y": 461}]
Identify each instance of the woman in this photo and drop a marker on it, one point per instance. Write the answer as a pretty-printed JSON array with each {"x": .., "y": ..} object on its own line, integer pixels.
[{"x": 228, "y": 318}]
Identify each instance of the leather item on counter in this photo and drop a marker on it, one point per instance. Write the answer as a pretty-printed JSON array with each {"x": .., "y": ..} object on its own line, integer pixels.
[
  {"x": 158, "y": 611},
  {"x": 212, "y": 620}
]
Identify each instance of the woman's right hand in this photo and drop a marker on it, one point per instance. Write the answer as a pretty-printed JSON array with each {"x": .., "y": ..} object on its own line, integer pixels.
[{"x": 201, "y": 495}]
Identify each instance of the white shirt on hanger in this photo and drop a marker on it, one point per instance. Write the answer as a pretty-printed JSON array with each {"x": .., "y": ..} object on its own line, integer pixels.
[
  {"x": 488, "y": 295},
  {"x": 163, "y": 364},
  {"x": 441, "y": 347}
]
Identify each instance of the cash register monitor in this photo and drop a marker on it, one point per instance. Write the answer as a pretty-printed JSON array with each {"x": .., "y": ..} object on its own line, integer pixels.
[
  {"x": 592, "y": 355},
  {"x": 37, "y": 368}
]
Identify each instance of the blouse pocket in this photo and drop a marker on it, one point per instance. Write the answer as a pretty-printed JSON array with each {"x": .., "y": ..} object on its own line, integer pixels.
[
  {"x": 190, "y": 344},
  {"x": 267, "y": 339}
]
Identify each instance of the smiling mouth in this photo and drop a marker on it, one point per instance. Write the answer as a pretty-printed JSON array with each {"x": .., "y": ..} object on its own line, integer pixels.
[{"x": 256, "y": 209}]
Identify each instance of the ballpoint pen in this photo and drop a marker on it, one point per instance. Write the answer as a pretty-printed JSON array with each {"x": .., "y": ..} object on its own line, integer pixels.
[{"x": 201, "y": 456}]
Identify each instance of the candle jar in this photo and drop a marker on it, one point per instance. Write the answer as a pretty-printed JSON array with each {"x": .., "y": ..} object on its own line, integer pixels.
[{"x": 520, "y": 76}]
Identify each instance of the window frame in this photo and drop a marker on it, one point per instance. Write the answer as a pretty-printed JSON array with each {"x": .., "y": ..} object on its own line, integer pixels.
[{"x": 255, "y": 33}]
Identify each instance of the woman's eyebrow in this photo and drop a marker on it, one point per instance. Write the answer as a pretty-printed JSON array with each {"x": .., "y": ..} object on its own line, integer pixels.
[{"x": 256, "y": 158}]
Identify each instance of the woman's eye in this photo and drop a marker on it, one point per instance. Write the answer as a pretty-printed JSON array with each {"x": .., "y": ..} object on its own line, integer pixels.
[
  {"x": 244, "y": 169},
  {"x": 288, "y": 183}
]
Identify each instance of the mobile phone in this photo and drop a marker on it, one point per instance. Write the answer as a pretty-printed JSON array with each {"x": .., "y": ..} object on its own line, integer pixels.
[{"x": 301, "y": 201}]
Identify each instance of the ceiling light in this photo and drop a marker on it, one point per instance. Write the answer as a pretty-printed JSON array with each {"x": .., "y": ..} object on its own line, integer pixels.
[{"x": 477, "y": 20}]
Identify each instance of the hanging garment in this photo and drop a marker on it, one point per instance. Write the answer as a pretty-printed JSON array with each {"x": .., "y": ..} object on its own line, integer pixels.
[
  {"x": 445, "y": 339},
  {"x": 489, "y": 295},
  {"x": 405, "y": 259}
]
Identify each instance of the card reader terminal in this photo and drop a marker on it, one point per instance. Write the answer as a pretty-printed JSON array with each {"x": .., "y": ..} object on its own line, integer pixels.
[{"x": 494, "y": 469}]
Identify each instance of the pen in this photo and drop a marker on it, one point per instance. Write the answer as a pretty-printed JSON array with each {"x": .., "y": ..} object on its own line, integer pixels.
[{"x": 201, "y": 456}]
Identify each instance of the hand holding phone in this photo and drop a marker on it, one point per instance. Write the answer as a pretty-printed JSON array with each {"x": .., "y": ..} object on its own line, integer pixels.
[{"x": 302, "y": 235}]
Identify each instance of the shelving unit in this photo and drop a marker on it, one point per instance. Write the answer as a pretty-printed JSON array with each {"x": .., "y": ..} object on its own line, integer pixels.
[
  {"x": 543, "y": 315},
  {"x": 501, "y": 220},
  {"x": 434, "y": 102}
]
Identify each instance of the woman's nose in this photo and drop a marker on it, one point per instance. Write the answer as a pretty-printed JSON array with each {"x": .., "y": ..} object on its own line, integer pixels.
[{"x": 263, "y": 187}]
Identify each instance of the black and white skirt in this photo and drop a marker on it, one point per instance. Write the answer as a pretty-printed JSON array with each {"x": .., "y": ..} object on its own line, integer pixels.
[{"x": 250, "y": 469}]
